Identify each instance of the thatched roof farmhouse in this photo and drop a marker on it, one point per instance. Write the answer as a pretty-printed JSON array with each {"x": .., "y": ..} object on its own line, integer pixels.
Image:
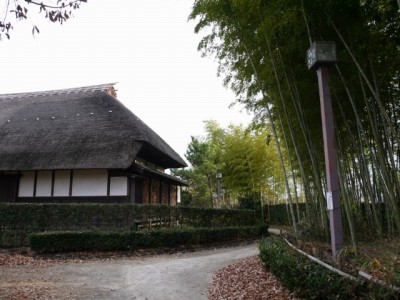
[{"x": 81, "y": 145}]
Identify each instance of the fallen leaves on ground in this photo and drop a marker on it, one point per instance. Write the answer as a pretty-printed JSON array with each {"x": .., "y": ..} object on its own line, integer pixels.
[
  {"x": 30, "y": 289},
  {"x": 13, "y": 260},
  {"x": 379, "y": 258},
  {"x": 25, "y": 257},
  {"x": 246, "y": 280},
  {"x": 26, "y": 290}
]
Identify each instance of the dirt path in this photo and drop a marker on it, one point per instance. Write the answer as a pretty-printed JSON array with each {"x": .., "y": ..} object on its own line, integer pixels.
[{"x": 179, "y": 276}]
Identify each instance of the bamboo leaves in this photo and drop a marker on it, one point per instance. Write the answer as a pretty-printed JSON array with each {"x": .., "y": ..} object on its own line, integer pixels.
[{"x": 261, "y": 48}]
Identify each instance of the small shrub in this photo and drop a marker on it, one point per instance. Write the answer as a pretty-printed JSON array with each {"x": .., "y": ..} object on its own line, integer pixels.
[
  {"x": 278, "y": 213},
  {"x": 310, "y": 280},
  {"x": 310, "y": 231},
  {"x": 301, "y": 275}
]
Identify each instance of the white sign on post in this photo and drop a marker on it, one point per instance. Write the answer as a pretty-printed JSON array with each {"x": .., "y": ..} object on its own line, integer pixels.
[{"x": 329, "y": 201}]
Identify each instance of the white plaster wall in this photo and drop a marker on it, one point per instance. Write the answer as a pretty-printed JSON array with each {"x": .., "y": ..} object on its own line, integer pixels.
[
  {"x": 61, "y": 183},
  {"x": 119, "y": 186},
  {"x": 89, "y": 183},
  {"x": 43, "y": 183},
  {"x": 26, "y": 183},
  {"x": 178, "y": 193}
]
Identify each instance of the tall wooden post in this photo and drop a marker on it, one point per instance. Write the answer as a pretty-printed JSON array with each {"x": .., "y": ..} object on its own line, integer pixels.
[
  {"x": 319, "y": 57},
  {"x": 332, "y": 179}
]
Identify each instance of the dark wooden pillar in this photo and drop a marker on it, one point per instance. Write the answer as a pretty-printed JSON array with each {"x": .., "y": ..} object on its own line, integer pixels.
[
  {"x": 169, "y": 194},
  {"x": 149, "y": 190},
  {"x": 8, "y": 187},
  {"x": 160, "y": 191}
]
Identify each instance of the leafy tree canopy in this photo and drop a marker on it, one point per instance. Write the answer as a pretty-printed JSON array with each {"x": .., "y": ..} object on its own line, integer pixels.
[
  {"x": 261, "y": 46},
  {"x": 246, "y": 158}
]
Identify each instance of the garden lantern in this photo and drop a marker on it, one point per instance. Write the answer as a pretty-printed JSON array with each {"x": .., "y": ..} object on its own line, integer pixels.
[{"x": 321, "y": 53}]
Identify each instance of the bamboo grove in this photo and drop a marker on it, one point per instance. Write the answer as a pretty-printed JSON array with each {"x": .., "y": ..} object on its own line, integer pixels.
[
  {"x": 261, "y": 47},
  {"x": 248, "y": 160}
]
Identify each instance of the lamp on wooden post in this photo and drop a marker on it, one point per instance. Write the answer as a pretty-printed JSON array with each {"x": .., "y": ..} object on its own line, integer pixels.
[{"x": 319, "y": 57}]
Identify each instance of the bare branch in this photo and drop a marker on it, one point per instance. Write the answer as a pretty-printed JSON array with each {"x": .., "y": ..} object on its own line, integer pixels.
[
  {"x": 41, "y": 4},
  {"x": 55, "y": 13}
]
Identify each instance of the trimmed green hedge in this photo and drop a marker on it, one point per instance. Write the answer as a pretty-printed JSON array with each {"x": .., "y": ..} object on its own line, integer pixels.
[
  {"x": 106, "y": 240},
  {"x": 310, "y": 280},
  {"x": 278, "y": 213},
  {"x": 17, "y": 221}
]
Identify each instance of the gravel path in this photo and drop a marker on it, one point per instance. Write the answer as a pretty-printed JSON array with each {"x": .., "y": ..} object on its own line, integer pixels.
[
  {"x": 178, "y": 276},
  {"x": 218, "y": 274}
]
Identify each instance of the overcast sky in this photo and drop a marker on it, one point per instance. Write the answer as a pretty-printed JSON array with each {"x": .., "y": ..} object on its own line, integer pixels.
[{"x": 147, "y": 46}]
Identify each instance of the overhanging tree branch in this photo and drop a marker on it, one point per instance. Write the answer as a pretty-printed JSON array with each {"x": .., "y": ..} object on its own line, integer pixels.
[
  {"x": 55, "y": 13},
  {"x": 41, "y": 4}
]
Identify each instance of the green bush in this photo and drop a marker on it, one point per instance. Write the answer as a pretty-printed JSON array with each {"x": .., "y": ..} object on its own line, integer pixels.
[
  {"x": 301, "y": 275},
  {"x": 123, "y": 240},
  {"x": 310, "y": 280},
  {"x": 17, "y": 221},
  {"x": 278, "y": 214}
]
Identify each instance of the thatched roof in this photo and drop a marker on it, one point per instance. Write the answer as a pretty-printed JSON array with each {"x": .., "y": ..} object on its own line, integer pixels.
[{"x": 81, "y": 128}]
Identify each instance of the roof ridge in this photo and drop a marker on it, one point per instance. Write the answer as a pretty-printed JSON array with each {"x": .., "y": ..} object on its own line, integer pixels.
[{"x": 82, "y": 89}]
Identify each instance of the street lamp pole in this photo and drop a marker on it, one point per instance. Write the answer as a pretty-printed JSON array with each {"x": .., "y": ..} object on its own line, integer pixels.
[
  {"x": 218, "y": 176},
  {"x": 319, "y": 56}
]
